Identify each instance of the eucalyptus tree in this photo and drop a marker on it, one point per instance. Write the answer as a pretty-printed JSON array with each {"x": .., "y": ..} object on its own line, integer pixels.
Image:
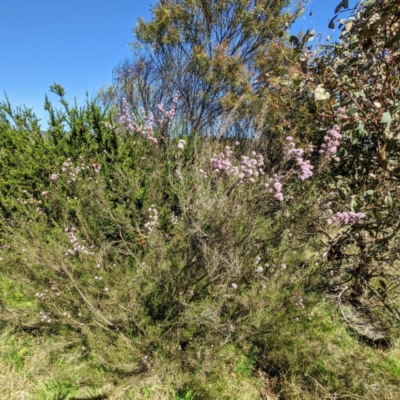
[
  {"x": 211, "y": 52},
  {"x": 355, "y": 83}
]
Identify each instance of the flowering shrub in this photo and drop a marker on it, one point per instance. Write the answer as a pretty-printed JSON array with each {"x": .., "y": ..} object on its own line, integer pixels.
[
  {"x": 354, "y": 82},
  {"x": 232, "y": 253},
  {"x": 249, "y": 169},
  {"x": 77, "y": 247},
  {"x": 153, "y": 219}
]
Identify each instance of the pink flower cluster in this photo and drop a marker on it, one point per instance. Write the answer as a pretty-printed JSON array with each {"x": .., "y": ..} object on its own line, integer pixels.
[
  {"x": 168, "y": 115},
  {"x": 31, "y": 200},
  {"x": 275, "y": 186},
  {"x": 77, "y": 248},
  {"x": 342, "y": 113},
  {"x": 331, "y": 142},
  {"x": 108, "y": 125},
  {"x": 249, "y": 169},
  {"x": 147, "y": 128},
  {"x": 345, "y": 217},
  {"x": 174, "y": 219},
  {"x": 72, "y": 171},
  {"x": 153, "y": 219},
  {"x": 306, "y": 169},
  {"x": 203, "y": 174},
  {"x": 96, "y": 168},
  {"x": 125, "y": 118},
  {"x": 44, "y": 317}
]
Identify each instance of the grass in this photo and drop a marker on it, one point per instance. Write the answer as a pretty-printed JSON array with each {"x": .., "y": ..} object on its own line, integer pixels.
[{"x": 310, "y": 359}]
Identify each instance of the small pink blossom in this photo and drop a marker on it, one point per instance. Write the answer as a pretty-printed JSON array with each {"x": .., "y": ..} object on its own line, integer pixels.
[
  {"x": 278, "y": 186},
  {"x": 202, "y": 174},
  {"x": 279, "y": 196}
]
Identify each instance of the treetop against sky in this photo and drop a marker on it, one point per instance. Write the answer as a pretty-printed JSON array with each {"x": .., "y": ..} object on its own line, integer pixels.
[{"x": 77, "y": 44}]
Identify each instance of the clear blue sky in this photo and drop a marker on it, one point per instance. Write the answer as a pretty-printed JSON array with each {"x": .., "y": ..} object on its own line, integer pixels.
[{"x": 77, "y": 44}]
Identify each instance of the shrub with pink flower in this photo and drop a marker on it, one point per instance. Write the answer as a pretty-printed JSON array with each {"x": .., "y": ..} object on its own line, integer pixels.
[
  {"x": 77, "y": 247},
  {"x": 345, "y": 218},
  {"x": 331, "y": 143},
  {"x": 153, "y": 219},
  {"x": 249, "y": 169}
]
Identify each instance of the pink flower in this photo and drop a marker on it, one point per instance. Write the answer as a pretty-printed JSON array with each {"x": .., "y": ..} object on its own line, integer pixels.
[
  {"x": 278, "y": 186},
  {"x": 279, "y": 196},
  {"x": 181, "y": 144},
  {"x": 203, "y": 174},
  {"x": 53, "y": 177},
  {"x": 234, "y": 285}
]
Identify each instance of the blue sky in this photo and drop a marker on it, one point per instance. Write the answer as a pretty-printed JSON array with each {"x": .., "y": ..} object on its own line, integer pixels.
[{"x": 77, "y": 44}]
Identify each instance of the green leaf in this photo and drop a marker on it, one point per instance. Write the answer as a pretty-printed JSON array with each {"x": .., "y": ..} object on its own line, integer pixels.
[
  {"x": 321, "y": 93},
  {"x": 294, "y": 40},
  {"x": 393, "y": 40},
  {"x": 342, "y": 4},
  {"x": 351, "y": 110},
  {"x": 306, "y": 37},
  {"x": 386, "y": 117},
  {"x": 396, "y": 171},
  {"x": 331, "y": 24}
]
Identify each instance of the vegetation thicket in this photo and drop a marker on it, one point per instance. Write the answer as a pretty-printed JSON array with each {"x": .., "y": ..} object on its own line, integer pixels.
[{"x": 223, "y": 224}]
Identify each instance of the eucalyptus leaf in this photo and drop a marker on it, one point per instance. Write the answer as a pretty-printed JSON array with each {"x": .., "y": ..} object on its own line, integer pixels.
[
  {"x": 393, "y": 40},
  {"x": 294, "y": 40},
  {"x": 386, "y": 117},
  {"x": 342, "y": 4},
  {"x": 396, "y": 171},
  {"x": 331, "y": 24}
]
